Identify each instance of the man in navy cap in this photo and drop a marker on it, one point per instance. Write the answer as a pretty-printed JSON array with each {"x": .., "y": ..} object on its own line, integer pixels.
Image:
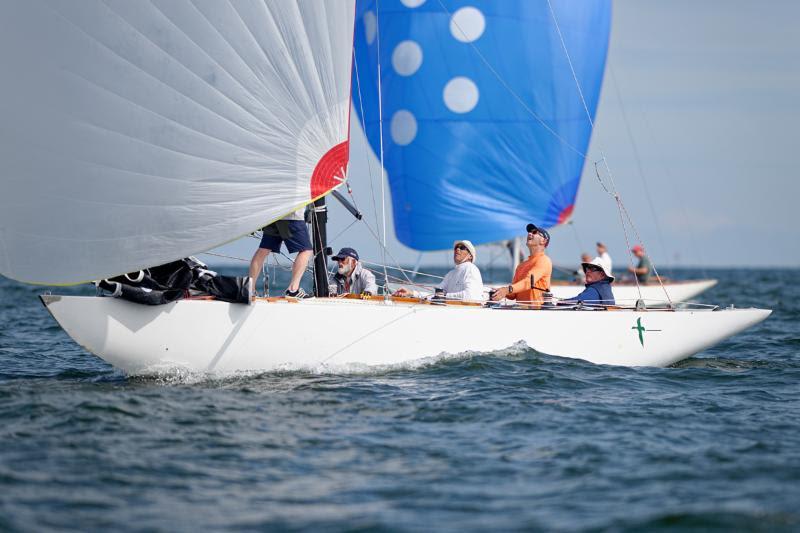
[
  {"x": 351, "y": 277},
  {"x": 532, "y": 277}
]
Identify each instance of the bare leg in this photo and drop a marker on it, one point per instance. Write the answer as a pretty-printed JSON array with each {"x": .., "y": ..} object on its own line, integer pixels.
[
  {"x": 256, "y": 264},
  {"x": 298, "y": 268}
]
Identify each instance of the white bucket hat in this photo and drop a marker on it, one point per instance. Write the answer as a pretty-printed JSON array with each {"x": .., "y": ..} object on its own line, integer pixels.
[
  {"x": 469, "y": 245},
  {"x": 598, "y": 263}
]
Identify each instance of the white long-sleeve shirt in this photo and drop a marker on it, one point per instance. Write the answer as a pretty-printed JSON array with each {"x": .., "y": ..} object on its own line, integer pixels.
[
  {"x": 464, "y": 282},
  {"x": 606, "y": 260}
]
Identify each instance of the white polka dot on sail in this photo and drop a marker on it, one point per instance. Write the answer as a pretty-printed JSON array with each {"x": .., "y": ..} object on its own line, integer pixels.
[
  {"x": 412, "y": 3},
  {"x": 403, "y": 127},
  {"x": 407, "y": 58},
  {"x": 370, "y": 26},
  {"x": 467, "y": 24},
  {"x": 461, "y": 95}
]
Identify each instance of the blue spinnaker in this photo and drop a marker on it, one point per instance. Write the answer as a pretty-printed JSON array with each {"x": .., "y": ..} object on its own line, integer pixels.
[{"x": 462, "y": 81}]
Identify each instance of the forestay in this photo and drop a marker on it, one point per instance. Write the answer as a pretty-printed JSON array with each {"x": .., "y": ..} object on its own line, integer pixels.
[
  {"x": 136, "y": 133},
  {"x": 485, "y": 128}
]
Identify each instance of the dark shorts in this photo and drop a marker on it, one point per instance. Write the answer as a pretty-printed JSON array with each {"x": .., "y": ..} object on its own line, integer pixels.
[{"x": 292, "y": 232}]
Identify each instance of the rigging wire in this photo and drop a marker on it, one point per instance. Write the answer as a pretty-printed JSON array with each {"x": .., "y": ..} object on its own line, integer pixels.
[
  {"x": 620, "y": 206},
  {"x": 681, "y": 200},
  {"x": 639, "y": 165},
  {"x": 571, "y": 223},
  {"x": 366, "y": 152},
  {"x": 380, "y": 125}
]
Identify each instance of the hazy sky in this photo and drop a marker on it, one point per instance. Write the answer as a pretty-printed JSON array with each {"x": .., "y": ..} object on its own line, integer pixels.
[{"x": 710, "y": 91}]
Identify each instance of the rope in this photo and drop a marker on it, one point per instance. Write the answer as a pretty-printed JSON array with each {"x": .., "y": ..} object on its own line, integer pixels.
[
  {"x": 380, "y": 129},
  {"x": 639, "y": 166},
  {"x": 655, "y": 271},
  {"x": 681, "y": 200},
  {"x": 366, "y": 152},
  {"x": 343, "y": 348},
  {"x": 620, "y": 206},
  {"x": 225, "y": 256},
  {"x": 620, "y": 209},
  {"x": 577, "y": 237}
]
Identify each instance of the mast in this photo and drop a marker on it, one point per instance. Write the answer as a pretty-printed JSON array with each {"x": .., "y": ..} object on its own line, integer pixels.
[
  {"x": 516, "y": 252},
  {"x": 319, "y": 239}
]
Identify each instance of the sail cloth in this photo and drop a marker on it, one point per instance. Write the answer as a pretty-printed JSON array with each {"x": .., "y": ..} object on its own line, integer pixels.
[
  {"x": 464, "y": 158},
  {"x": 137, "y": 133}
]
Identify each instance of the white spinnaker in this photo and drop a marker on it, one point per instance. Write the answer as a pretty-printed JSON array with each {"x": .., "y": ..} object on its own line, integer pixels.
[{"x": 136, "y": 133}]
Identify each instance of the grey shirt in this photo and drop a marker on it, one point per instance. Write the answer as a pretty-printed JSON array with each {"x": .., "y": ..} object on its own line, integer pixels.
[{"x": 361, "y": 280}]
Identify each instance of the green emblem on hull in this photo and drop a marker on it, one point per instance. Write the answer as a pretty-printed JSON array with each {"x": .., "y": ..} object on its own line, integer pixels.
[{"x": 641, "y": 329}]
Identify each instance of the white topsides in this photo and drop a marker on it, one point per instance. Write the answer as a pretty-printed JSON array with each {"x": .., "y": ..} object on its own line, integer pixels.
[{"x": 212, "y": 336}]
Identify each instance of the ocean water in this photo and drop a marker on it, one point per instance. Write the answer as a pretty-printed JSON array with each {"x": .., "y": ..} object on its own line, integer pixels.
[{"x": 511, "y": 440}]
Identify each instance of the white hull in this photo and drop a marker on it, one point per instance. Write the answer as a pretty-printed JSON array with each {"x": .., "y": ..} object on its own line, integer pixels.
[
  {"x": 679, "y": 291},
  {"x": 213, "y": 336}
]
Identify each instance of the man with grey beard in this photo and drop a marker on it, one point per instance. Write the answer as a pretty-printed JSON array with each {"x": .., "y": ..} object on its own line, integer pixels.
[{"x": 351, "y": 277}]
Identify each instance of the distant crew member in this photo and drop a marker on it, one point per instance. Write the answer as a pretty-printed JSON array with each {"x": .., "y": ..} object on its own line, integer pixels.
[
  {"x": 580, "y": 275},
  {"x": 598, "y": 285},
  {"x": 464, "y": 282},
  {"x": 351, "y": 276},
  {"x": 291, "y": 230},
  {"x": 602, "y": 255},
  {"x": 642, "y": 270},
  {"x": 532, "y": 277}
]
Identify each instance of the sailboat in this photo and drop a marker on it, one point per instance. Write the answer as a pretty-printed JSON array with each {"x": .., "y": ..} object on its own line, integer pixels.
[
  {"x": 487, "y": 131},
  {"x": 138, "y": 134}
]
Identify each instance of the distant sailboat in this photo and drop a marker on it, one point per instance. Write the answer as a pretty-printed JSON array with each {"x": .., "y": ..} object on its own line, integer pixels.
[{"x": 137, "y": 134}]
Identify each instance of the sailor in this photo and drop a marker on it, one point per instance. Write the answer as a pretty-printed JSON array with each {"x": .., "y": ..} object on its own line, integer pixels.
[
  {"x": 580, "y": 274},
  {"x": 351, "y": 277},
  {"x": 642, "y": 270},
  {"x": 532, "y": 277},
  {"x": 291, "y": 230},
  {"x": 464, "y": 281},
  {"x": 598, "y": 285},
  {"x": 602, "y": 255}
]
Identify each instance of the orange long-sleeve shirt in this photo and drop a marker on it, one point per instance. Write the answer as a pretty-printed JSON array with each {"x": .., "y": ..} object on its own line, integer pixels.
[{"x": 541, "y": 268}]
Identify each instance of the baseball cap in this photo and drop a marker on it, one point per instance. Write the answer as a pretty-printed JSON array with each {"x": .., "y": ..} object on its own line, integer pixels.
[
  {"x": 346, "y": 252},
  {"x": 543, "y": 232}
]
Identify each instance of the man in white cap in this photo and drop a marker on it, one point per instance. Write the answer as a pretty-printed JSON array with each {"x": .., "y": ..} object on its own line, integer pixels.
[
  {"x": 598, "y": 285},
  {"x": 464, "y": 282}
]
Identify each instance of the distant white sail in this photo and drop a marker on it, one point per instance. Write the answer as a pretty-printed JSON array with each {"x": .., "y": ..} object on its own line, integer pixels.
[{"x": 135, "y": 133}]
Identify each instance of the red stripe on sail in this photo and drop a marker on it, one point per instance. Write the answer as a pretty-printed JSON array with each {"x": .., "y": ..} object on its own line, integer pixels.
[
  {"x": 565, "y": 214},
  {"x": 330, "y": 169}
]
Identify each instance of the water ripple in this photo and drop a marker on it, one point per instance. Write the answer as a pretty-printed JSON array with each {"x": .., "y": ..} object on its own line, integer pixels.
[{"x": 510, "y": 440}]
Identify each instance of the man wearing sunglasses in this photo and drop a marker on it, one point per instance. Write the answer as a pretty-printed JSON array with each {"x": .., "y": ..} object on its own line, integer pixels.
[
  {"x": 598, "y": 285},
  {"x": 532, "y": 277},
  {"x": 464, "y": 282}
]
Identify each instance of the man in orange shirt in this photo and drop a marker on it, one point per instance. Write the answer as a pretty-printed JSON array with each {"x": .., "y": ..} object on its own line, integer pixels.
[{"x": 532, "y": 277}]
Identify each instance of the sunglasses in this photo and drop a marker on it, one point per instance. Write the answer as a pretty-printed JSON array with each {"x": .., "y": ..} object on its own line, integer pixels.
[
  {"x": 592, "y": 269},
  {"x": 461, "y": 247}
]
